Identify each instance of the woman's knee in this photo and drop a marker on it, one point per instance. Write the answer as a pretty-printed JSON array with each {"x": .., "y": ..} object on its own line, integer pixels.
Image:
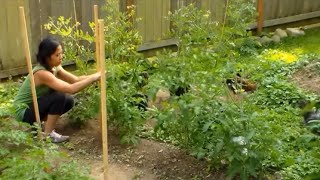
[
  {"x": 61, "y": 103},
  {"x": 58, "y": 97},
  {"x": 69, "y": 102}
]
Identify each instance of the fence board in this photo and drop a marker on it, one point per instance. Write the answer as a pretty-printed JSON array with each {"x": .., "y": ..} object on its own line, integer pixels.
[
  {"x": 149, "y": 23},
  {"x": 157, "y": 20},
  {"x": 35, "y": 28},
  {"x": 216, "y": 8},
  {"x": 86, "y": 14},
  {"x": 3, "y": 35},
  {"x": 141, "y": 14},
  {"x": 166, "y": 7},
  {"x": 284, "y": 8},
  {"x": 153, "y": 25},
  {"x": 14, "y": 54}
]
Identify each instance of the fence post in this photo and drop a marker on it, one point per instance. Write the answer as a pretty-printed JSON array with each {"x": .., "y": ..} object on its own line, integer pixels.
[{"x": 260, "y": 15}]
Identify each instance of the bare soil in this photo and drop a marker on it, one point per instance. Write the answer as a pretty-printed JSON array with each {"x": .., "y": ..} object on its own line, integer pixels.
[
  {"x": 308, "y": 78},
  {"x": 148, "y": 160}
]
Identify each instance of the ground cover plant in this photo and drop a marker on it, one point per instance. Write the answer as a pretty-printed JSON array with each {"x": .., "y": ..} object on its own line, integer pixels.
[
  {"x": 248, "y": 135},
  {"x": 23, "y": 155}
]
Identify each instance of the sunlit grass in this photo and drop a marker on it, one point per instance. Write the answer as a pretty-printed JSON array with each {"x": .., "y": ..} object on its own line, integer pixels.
[
  {"x": 292, "y": 48},
  {"x": 308, "y": 44},
  {"x": 279, "y": 55}
]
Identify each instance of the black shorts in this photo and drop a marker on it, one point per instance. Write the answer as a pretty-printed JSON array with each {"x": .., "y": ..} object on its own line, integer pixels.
[{"x": 54, "y": 103}]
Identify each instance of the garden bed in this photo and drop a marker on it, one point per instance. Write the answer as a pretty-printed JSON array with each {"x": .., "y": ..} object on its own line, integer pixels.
[{"x": 149, "y": 160}]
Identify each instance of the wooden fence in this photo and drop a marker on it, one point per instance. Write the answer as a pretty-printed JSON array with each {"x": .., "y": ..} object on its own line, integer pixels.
[
  {"x": 153, "y": 27},
  {"x": 277, "y": 12},
  {"x": 12, "y": 57}
]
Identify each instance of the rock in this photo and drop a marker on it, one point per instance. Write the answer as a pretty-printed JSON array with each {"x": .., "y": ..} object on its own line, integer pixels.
[
  {"x": 276, "y": 38},
  {"x": 295, "y": 32},
  {"x": 265, "y": 40},
  {"x": 162, "y": 95},
  {"x": 281, "y": 33}
]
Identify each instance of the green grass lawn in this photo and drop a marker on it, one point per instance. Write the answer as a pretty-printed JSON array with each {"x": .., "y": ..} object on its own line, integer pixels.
[{"x": 302, "y": 45}]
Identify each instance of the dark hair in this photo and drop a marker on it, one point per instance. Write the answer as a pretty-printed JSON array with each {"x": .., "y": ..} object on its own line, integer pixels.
[{"x": 46, "y": 48}]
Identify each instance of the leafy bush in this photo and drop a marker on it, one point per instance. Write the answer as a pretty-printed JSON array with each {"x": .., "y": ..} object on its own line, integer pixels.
[
  {"x": 275, "y": 92},
  {"x": 23, "y": 156},
  {"x": 123, "y": 86},
  {"x": 86, "y": 107},
  {"x": 121, "y": 37},
  {"x": 6, "y": 96},
  {"x": 249, "y": 140},
  {"x": 75, "y": 42}
]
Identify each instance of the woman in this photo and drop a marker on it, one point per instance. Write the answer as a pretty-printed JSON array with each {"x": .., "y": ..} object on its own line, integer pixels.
[{"x": 53, "y": 86}]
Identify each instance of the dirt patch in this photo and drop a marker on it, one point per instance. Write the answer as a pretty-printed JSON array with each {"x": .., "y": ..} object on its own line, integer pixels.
[
  {"x": 148, "y": 160},
  {"x": 308, "y": 78}
]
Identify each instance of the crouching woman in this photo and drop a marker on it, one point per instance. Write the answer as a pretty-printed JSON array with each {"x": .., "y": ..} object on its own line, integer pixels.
[{"x": 53, "y": 86}]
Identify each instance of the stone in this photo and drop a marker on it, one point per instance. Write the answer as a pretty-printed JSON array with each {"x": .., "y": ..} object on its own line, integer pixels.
[
  {"x": 295, "y": 32},
  {"x": 281, "y": 33},
  {"x": 276, "y": 38},
  {"x": 265, "y": 40},
  {"x": 162, "y": 95}
]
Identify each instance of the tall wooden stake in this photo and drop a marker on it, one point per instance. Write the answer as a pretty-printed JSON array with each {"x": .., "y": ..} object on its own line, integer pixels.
[
  {"x": 24, "y": 34},
  {"x": 260, "y": 15},
  {"x": 96, "y": 35},
  {"x": 103, "y": 98},
  {"x": 96, "y": 31}
]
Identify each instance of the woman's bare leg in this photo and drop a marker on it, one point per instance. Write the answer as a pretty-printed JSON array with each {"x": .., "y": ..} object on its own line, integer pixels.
[{"x": 50, "y": 123}]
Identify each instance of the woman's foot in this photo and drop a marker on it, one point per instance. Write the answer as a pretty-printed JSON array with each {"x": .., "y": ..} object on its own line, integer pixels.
[{"x": 57, "y": 138}]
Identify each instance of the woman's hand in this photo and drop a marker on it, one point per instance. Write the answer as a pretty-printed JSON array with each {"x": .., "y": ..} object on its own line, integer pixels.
[{"x": 96, "y": 76}]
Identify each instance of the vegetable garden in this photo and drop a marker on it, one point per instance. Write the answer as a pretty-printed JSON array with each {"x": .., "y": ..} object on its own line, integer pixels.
[{"x": 244, "y": 135}]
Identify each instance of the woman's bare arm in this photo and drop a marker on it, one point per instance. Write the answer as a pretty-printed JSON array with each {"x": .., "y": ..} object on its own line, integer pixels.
[
  {"x": 75, "y": 85},
  {"x": 69, "y": 77}
]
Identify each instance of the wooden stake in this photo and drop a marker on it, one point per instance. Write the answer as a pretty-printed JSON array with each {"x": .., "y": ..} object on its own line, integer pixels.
[
  {"x": 96, "y": 31},
  {"x": 24, "y": 34},
  {"x": 103, "y": 98},
  {"x": 260, "y": 15}
]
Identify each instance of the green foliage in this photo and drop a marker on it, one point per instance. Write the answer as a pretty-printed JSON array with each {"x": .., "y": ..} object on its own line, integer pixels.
[
  {"x": 23, "y": 156},
  {"x": 121, "y": 37},
  {"x": 74, "y": 40},
  {"x": 240, "y": 14},
  {"x": 192, "y": 26},
  {"x": 220, "y": 132},
  {"x": 275, "y": 92},
  {"x": 252, "y": 137},
  {"x": 86, "y": 107},
  {"x": 304, "y": 162},
  {"x": 7, "y": 92},
  {"x": 123, "y": 86}
]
